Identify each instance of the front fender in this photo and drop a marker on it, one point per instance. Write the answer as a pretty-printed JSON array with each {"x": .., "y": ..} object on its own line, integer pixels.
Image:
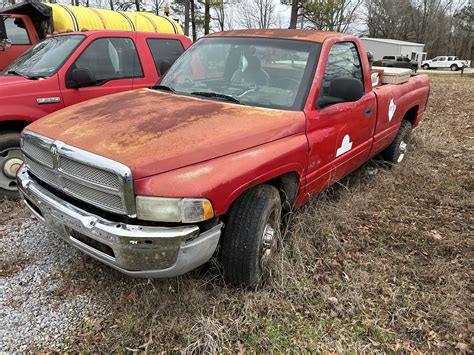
[{"x": 223, "y": 179}]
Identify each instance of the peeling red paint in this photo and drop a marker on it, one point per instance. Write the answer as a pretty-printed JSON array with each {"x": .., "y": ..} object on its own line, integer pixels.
[{"x": 152, "y": 131}]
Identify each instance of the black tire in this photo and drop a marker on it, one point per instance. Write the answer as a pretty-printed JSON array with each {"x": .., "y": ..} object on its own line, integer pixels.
[
  {"x": 9, "y": 141},
  {"x": 426, "y": 67},
  {"x": 454, "y": 67},
  {"x": 244, "y": 250},
  {"x": 396, "y": 151}
]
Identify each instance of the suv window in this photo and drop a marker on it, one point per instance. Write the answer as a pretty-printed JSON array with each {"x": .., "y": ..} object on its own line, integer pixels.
[
  {"x": 164, "y": 50},
  {"x": 343, "y": 62},
  {"x": 388, "y": 57},
  {"x": 441, "y": 59},
  {"x": 16, "y": 31},
  {"x": 110, "y": 59}
]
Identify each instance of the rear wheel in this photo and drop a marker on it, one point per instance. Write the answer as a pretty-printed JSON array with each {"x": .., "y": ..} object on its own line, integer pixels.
[
  {"x": 249, "y": 240},
  {"x": 454, "y": 67},
  {"x": 395, "y": 153},
  {"x": 426, "y": 66},
  {"x": 10, "y": 161}
]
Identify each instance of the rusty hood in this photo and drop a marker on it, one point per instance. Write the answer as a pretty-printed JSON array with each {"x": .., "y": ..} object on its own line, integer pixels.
[{"x": 152, "y": 132}]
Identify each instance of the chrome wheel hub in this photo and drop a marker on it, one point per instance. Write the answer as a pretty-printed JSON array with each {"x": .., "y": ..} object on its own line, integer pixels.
[
  {"x": 10, "y": 162},
  {"x": 402, "y": 149},
  {"x": 267, "y": 242},
  {"x": 11, "y": 166}
]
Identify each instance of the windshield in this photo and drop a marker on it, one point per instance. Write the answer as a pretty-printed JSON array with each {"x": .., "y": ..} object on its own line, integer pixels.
[
  {"x": 251, "y": 71},
  {"x": 45, "y": 58}
]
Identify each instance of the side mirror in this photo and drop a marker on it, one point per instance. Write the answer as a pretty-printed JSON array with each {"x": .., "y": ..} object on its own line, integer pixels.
[
  {"x": 342, "y": 90},
  {"x": 81, "y": 77},
  {"x": 164, "y": 67}
]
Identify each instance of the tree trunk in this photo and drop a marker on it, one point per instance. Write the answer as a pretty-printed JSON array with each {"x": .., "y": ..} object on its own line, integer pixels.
[
  {"x": 294, "y": 14},
  {"x": 111, "y": 3},
  {"x": 186, "y": 17},
  {"x": 193, "y": 21},
  {"x": 137, "y": 5},
  {"x": 207, "y": 16}
]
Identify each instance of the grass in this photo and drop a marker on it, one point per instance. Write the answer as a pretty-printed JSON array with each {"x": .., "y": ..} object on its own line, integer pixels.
[{"x": 376, "y": 263}]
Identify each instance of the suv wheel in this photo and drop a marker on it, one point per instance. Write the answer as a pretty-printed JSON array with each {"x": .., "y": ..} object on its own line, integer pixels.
[
  {"x": 395, "y": 153},
  {"x": 454, "y": 67},
  {"x": 250, "y": 236},
  {"x": 426, "y": 67},
  {"x": 10, "y": 161}
]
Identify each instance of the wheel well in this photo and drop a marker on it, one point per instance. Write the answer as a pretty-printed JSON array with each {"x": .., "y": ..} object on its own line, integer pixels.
[
  {"x": 13, "y": 125},
  {"x": 411, "y": 115},
  {"x": 287, "y": 184}
]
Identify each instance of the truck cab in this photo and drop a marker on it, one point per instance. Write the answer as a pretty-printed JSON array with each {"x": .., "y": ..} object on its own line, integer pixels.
[
  {"x": 17, "y": 34},
  {"x": 70, "y": 68}
]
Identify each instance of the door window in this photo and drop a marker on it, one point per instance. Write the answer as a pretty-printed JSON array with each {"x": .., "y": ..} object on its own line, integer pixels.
[
  {"x": 343, "y": 62},
  {"x": 110, "y": 59},
  {"x": 164, "y": 50},
  {"x": 16, "y": 31}
]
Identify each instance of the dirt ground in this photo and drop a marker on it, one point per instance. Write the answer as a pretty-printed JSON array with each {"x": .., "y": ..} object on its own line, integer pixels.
[{"x": 377, "y": 263}]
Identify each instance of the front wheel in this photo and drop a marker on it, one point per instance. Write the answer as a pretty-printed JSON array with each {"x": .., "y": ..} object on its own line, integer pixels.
[
  {"x": 395, "y": 153},
  {"x": 249, "y": 239},
  {"x": 10, "y": 162},
  {"x": 454, "y": 67},
  {"x": 426, "y": 67}
]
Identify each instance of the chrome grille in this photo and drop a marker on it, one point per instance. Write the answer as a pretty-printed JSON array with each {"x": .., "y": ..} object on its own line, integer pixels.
[
  {"x": 90, "y": 178},
  {"x": 104, "y": 199},
  {"x": 89, "y": 173},
  {"x": 39, "y": 154}
]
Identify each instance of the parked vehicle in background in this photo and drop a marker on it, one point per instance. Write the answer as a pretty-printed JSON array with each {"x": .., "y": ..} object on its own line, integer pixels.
[
  {"x": 66, "y": 69},
  {"x": 445, "y": 62},
  {"x": 397, "y": 61},
  {"x": 24, "y": 24},
  {"x": 245, "y": 123}
]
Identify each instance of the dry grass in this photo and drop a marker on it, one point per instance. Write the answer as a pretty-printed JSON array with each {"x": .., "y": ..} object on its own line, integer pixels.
[{"x": 377, "y": 263}]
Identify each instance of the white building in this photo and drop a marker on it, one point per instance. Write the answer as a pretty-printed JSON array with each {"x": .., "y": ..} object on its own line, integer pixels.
[{"x": 381, "y": 47}]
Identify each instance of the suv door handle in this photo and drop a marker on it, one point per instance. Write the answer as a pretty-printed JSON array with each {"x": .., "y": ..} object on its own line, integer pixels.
[{"x": 368, "y": 112}]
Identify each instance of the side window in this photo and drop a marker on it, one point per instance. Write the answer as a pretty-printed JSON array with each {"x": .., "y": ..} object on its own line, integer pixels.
[
  {"x": 164, "y": 50},
  {"x": 110, "y": 59},
  {"x": 343, "y": 62},
  {"x": 16, "y": 31},
  {"x": 442, "y": 59}
]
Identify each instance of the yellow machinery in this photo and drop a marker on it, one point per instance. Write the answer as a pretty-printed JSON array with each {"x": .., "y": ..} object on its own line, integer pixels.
[{"x": 76, "y": 18}]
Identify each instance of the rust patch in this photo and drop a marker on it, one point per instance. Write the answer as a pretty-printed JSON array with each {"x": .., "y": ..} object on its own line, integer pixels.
[
  {"x": 152, "y": 131},
  {"x": 307, "y": 35}
]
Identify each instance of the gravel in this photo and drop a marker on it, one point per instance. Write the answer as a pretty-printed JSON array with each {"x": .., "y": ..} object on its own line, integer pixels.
[{"x": 41, "y": 305}]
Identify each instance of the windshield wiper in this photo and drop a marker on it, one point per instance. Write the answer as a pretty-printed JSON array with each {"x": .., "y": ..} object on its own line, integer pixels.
[
  {"x": 17, "y": 73},
  {"x": 163, "y": 87},
  {"x": 216, "y": 95}
]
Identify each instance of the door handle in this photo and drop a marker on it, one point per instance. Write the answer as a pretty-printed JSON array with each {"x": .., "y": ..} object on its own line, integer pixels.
[{"x": 368, "y": 112}]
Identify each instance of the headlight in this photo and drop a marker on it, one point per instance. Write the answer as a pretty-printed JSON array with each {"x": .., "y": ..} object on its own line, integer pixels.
[{"x": 185, "y": 210}]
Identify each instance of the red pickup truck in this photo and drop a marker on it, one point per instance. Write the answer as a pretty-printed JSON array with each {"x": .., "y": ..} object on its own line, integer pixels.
[
  {"x": 66, "y": 69},
  {"x": 154, "y": 182}
]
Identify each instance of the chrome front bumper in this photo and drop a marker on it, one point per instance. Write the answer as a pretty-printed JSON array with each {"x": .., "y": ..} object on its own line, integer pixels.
[{"x": 135, "y": 250}]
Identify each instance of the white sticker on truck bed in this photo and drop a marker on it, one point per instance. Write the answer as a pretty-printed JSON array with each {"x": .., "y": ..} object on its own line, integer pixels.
[
  {"x": 391, "y": 110},
  {"x": 345, "y": 146}
]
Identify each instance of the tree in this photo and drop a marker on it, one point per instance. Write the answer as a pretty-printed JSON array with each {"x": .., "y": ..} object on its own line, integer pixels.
[{"x": 259, "y": 14}]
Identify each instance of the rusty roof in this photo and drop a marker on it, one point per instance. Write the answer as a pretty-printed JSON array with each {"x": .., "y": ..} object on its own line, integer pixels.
[{"x": 304, "y": 35}]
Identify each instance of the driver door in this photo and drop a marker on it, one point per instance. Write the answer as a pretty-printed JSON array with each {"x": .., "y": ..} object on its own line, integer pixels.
[
  {"x": 113, "y": 63},
  {"x": 339, "y": 135}
]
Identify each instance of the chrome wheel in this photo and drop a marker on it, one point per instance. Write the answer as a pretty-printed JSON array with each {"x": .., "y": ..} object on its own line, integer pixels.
[
  {"x": 10, "y": 162},
  {"x": 268, "y": 241},
  {"x": 402, "y": 149}
]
